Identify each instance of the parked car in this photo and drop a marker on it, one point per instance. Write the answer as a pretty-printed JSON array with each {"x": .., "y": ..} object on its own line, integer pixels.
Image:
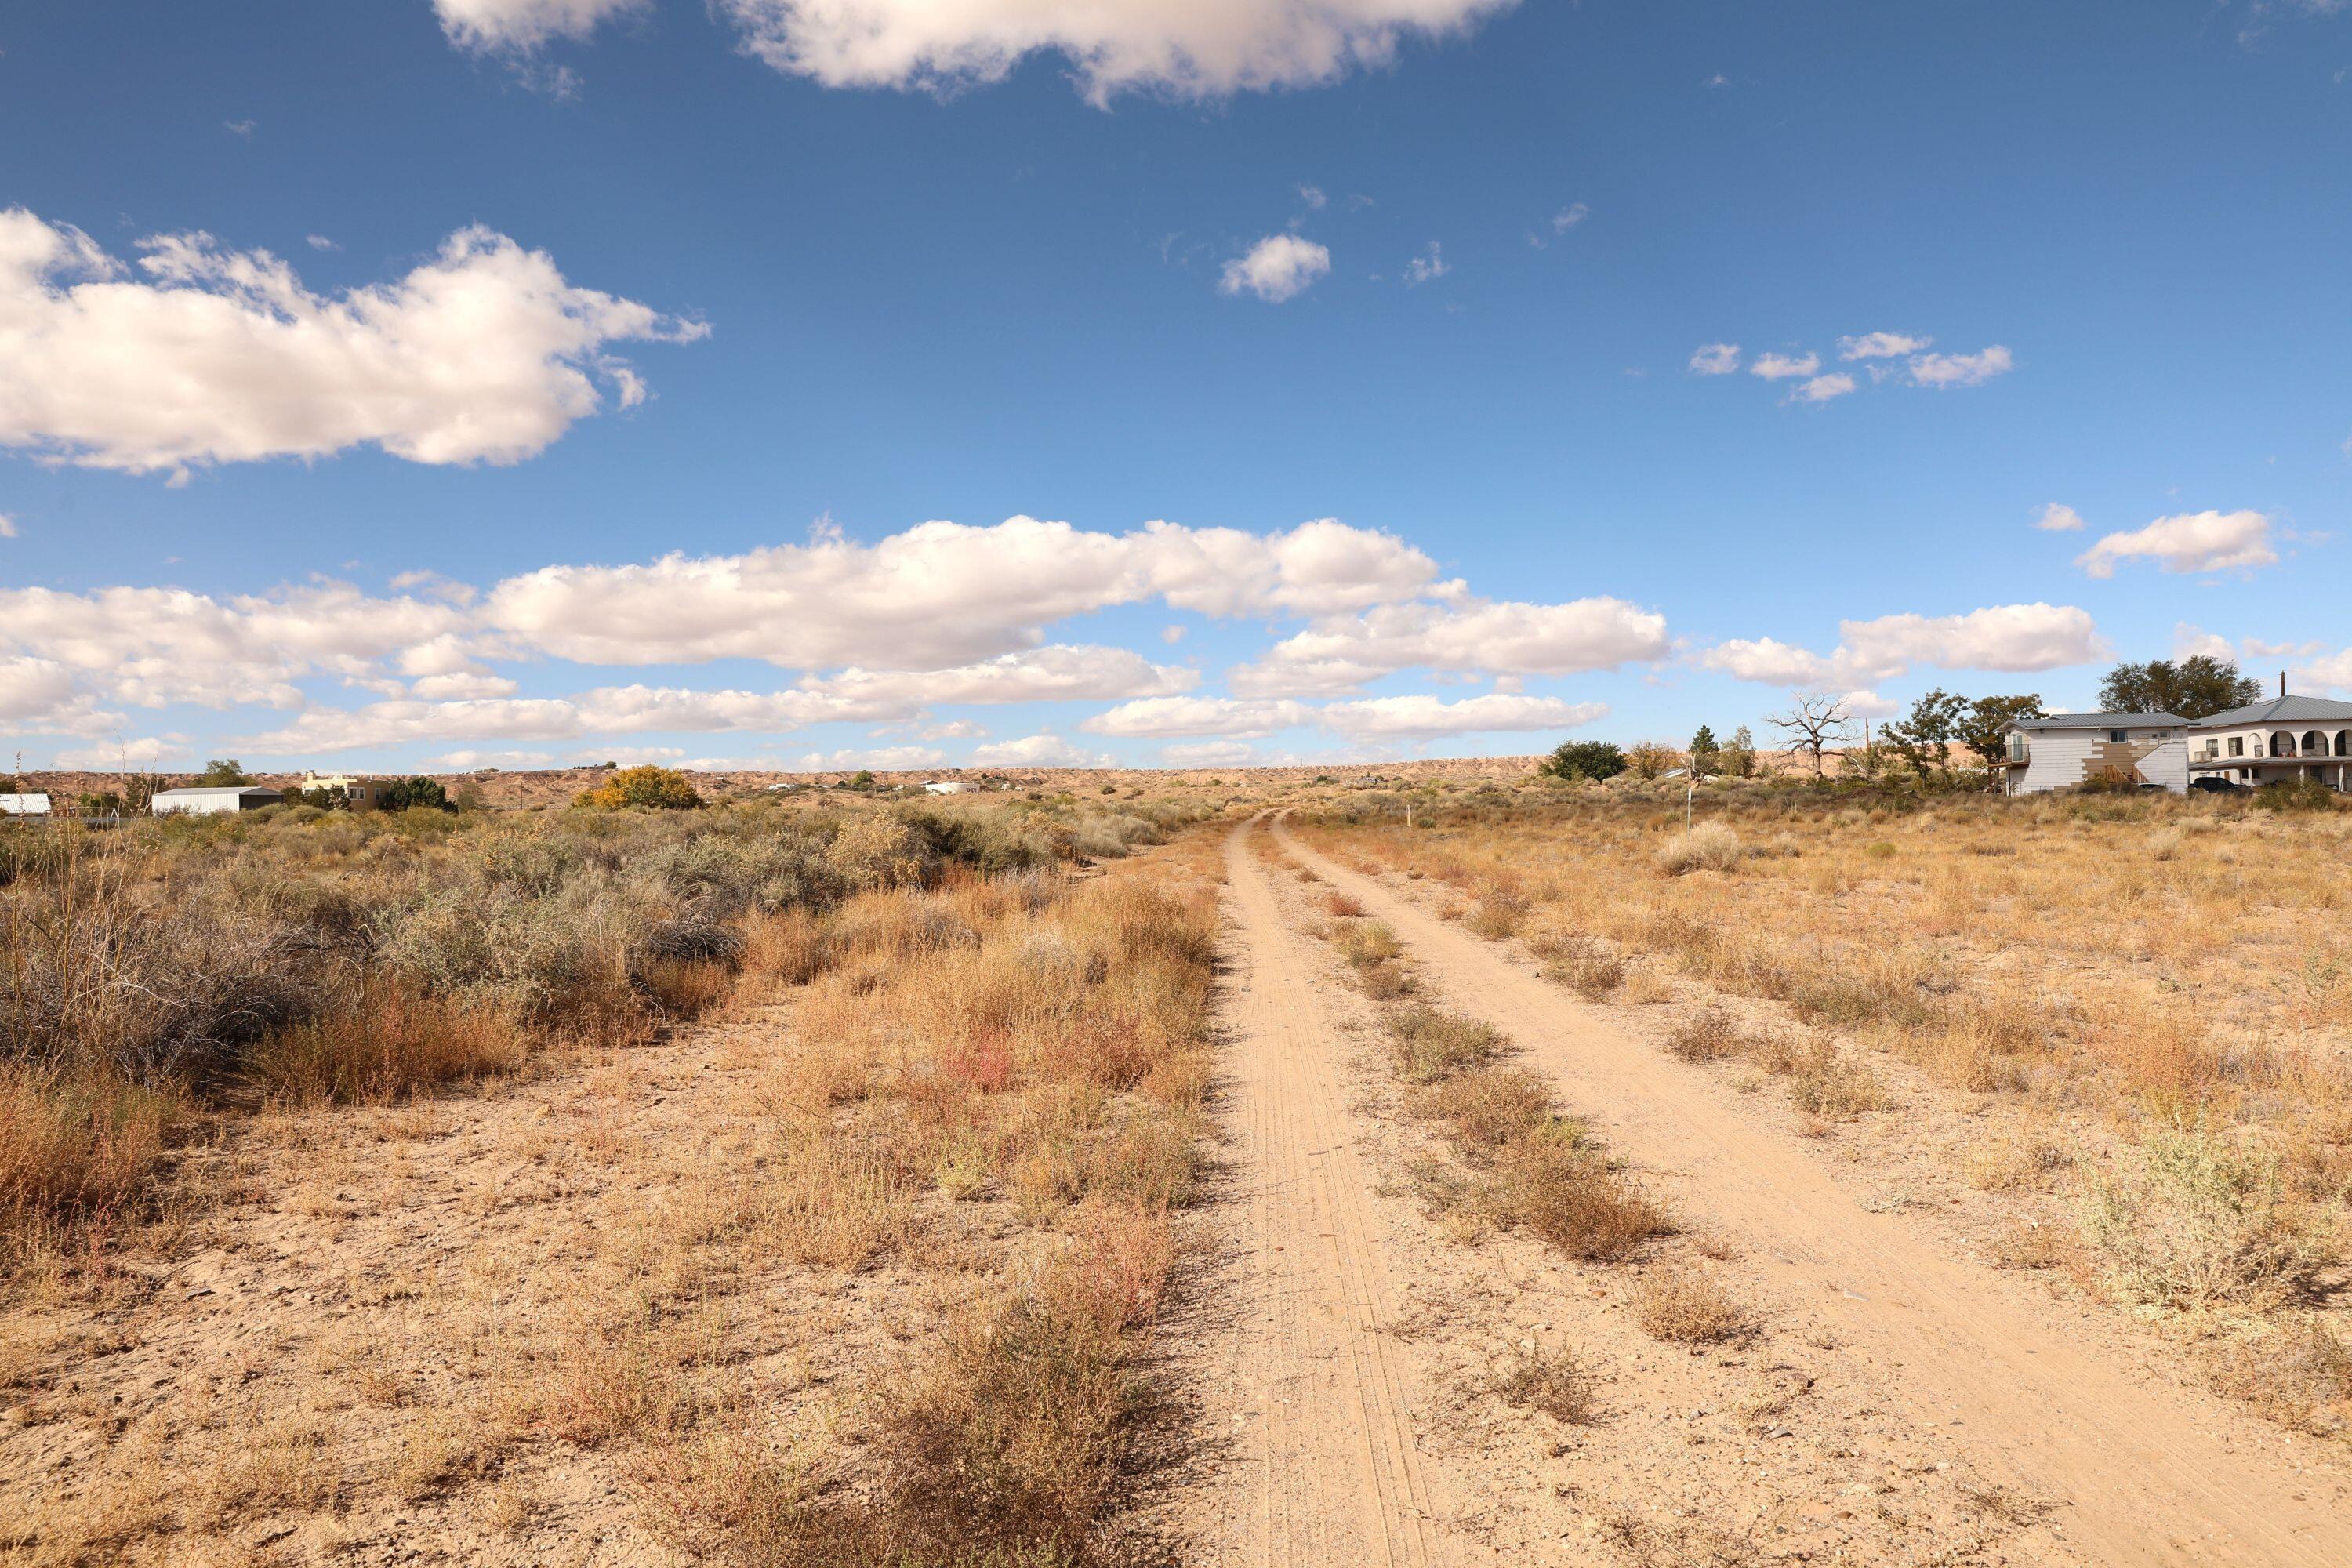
[{"x": 2217, "y": 786}]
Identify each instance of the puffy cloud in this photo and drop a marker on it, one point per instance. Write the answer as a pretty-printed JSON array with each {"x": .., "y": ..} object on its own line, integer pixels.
[
  {"x": 2332, "y": 671},
  {"x": 1165, "y": 716},
  {"x": 484, "y": 353},
  {"x": 1038, "y": 752},
  {"x": 2058, "y": 517},
  {"x": 1427, "y": 267},
  {"x": 884, "y": 759},
  {"x": 2190, "y": 642},
  {"x": 1822, "y": 388},
  {"x": 1961, "y": 369},
  {"x": 463, "y": 683},
  {"x": 1046, "y": 674},
  {"x": 2009, "y": 637},
  {"x": 937, "y": 595},
  {"x": 1569, "y": 217},
  {"x": 1208, "y": 754},
  {"x": 1279, "y": 267},
  {"x": 1715, "y": 359},
  {"x": 2190, "y": 541},
  {"x": 1424, "y": 717},
  {"x": 1780, "y": 367},
  {"x": 469, "y": 761},
  {"x": 524, "y": 24},
  {"x": 1342, "y": 652},
  {"x": 1193, "y": 48},
  {"x": 38, "y": 696},
  {"x": 606, "y": 711},
  {"x": 8, "y": 526},
  {"x": 1881, "y": 345},
  {"x": 147, "y": 753},
  {"x": 152, "y": 646}
]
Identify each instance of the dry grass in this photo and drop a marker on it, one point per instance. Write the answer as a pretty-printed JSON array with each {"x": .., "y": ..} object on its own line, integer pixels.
[
  {"x": 1428, "y": 1044},
  {"x": 387, "y": 1041},
  {"x": 1568, "y": 1195},
  {"x": 1685, "y": 1307},
  {"x": 1584, "y": 965},
  {"x": 1557, "y": 1382}
]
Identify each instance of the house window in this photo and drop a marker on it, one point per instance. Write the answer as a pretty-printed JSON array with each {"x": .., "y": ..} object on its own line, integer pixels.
[
  {"x": 2119, "y": 736},
  {"x": 2016, "y": 748},
  {"x": 2236, "y": 745}
]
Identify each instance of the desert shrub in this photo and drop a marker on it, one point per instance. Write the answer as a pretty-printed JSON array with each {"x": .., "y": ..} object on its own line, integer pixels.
[
  {"x": 1429, "y": 1045},
  {"x": 2204, "y": 1225},
  {"x": 1556, "y": 1382},
  {"x": 72, "y": 1145},
  {"x": 2296, "y": 795},
  {"x": 1685, "y": 1307},
  {"x": 1708, "y": 1034},
  {"x": 385, "y": 1042},
  {"x": 1566, "y": 1195},
  {"x": 1342, "y": 906},
  {"x": 1710, "y": 846},
  {"x": 1367, "y": 943},
  {"x": 1495, "y": 919},
  {"x": 1592, "y": 970},
  {"x": 648, "y": 787},
  {"x": 881, "y": 851},
  {"x": 1485, "y": 1108}
]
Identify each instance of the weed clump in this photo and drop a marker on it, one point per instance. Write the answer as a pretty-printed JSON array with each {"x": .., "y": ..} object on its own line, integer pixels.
[
  {"x": 1685, "y": 1307},
  {"x": 1429, "y": 1045},
  {"x": 1709, "y": 847},
  {"x": 2205, "y": 1225}
]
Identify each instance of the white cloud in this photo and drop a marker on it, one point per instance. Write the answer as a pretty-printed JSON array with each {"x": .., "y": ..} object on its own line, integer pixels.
[
  {"x": 469, "y": 761},
  {"x": 8, "y": 526},
  {"x": 2192, "y": 541},
  {"x": 524, "y": 24},
  {"x": 141, "y": 754},
  {"x": 1429, "y": 266},
  {"x": 152, "y": 646},
  {"x": 1038, "y": 752},
  {"x": 2058, "y": 517},
  {"x": 1208, "y": 754},
  {"x": 1158, "y": 717},
  {"x": 1822, "y": 388},
  {"x": 883, "y": 759},
  {"x": 1715, "y": 359},
  {"x": 1342, "y": 652},
  {"x": 1780, "y": 367},
  {"x": 484, "y": 353},
  {"x": 1881, "y": 345},
  {"x": 1424, "y": 717},
  {"x": 321, "y": 242},
  {"x": 2007, "y": 637},
  {"x": 1036, "y": 675},
  {"x": 1961, "y": 369},
  {"x": 2332, "y": 671},
  {"x": 2190, "y": 641},
  {"x": 1193, "y": 48},
  {"x": 1313, "y": 196},
  {"x": 1569, "y": 217},
  {"x": 1279, "y": 267},
  {"x": 939, "y": 594},
  {"x": 463, "y": 683}
]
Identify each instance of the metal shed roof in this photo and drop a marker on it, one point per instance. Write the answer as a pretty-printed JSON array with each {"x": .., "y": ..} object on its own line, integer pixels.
[
  {"x": 2100, "y": 721},
  {"x": 2281, "y": 711},
  {"x": 214, "y": 790}
]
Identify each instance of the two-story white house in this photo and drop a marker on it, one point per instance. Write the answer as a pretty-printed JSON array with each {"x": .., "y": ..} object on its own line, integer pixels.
[
  {"x": 2282, "y": 739},
  {"x": 2064, "y": 750}
]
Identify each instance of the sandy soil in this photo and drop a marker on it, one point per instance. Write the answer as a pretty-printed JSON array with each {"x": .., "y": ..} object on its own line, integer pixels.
[{"x": 2141, "y": 1469}]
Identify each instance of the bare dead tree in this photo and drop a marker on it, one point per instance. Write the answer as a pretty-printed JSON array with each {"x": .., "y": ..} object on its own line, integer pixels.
[{"x": 1814, "y": 720}]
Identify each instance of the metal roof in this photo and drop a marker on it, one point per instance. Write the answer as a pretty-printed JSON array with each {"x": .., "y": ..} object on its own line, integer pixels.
[
  {"x": 2100, "y": 721},
  {"x": 185, "y": 792},
  {"x": 2280, "y": 711}
]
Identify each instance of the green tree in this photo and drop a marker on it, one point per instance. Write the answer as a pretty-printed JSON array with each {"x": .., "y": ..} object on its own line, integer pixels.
[
  {"x": 656, "y": 789},
  {"x": 1984, "y": 729},
  {"x": 402, "y": 794},
  {"x": 223, "y": 772},
  {"x": 1923, "y": 739},
  {"x": 1739, "y": 757},
  {"x": 1706, "y": 755},
  {"x": 2197, "y": 688},
  {"x": 862, "y": 779},
  {"x": 1585, "y": 760}
]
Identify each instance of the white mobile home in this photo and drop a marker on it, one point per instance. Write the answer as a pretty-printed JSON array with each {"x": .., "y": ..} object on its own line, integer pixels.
[
  {"x": 2281, "y": 741},
  {"x": 214, "y": 800},
  {"x": 2146, "y": 750},
  {"x": 23, "y": 804},
  {"x": 944, "y": 786}
]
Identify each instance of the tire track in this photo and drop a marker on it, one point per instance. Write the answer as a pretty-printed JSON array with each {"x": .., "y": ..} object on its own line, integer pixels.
[
  {"x": 2150, "y": 1474},
  {"x": 1333, "y": 1473}
]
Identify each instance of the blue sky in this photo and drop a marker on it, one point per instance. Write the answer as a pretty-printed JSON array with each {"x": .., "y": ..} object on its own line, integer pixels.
[{"x": 720, "y": 328}]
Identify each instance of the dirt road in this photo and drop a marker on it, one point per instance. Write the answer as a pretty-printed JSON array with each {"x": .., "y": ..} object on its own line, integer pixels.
[
  {"x": 2144, "y": 1473},
  {"x": 1327, "y": 1469}
]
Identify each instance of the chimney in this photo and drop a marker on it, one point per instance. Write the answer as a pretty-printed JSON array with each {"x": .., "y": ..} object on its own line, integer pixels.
[{"x": 2282, "y": 683}]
